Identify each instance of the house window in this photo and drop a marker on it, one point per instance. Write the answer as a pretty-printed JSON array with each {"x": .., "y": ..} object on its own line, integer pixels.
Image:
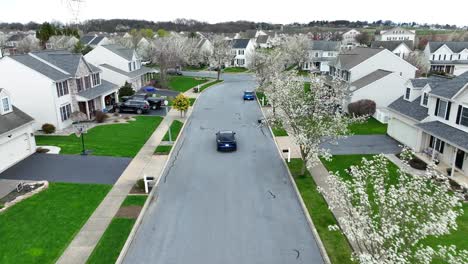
[
  {"x": 437, "y": 144},
  {"x": 79, "y": 84},
  {"x": 425, "y": 99},
  {"x": 96, "y": 79},
  {"x": 6, "y": 106},
  {"x": 462, "y": 118},
  {"x": 241, "y": 52},
  {"x": 65, "y": 112},
  {"x": 87, "y": 80},
  {"x": 408, "y": 93},
  {"x": 440, "y": 56},
  {"x": 442, "y": 109},
  {"x": 134, "y": 65},
  {"x": 433, "y": 57},
  {"x": 316, "y": 54},
  {"x": 62, "y": 88},
  {"x": 129, "y": 66}
]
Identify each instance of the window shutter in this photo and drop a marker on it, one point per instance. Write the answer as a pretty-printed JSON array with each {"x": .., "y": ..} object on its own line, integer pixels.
[
  {"x": 437, "y": 106},
  {"x": 457, "y": 121},
  {"x": 447, "y": 114},
  {"x": 431, "y": 142},
  {"x": 442, "y": 146}
]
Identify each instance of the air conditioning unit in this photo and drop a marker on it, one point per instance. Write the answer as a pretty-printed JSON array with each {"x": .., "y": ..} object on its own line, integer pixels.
[{"x": 382, "y": 115}]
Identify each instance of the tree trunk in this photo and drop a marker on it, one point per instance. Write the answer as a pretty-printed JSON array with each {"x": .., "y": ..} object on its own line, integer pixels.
[
  {"x": 219, "y": 73},
  {"x": 304, "y": 161}
]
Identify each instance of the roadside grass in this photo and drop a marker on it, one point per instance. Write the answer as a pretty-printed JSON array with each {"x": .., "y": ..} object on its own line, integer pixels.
[
  {"x": 184, "y": 83},
  {"x": 210, "y": 84},
  {"x": 176, "y": 126},
  {"x": 234, "y": 69},
  {"x": 278, "y": 130},
  {"x": 38, "y": 229},
  {"x": 370, "y": 127},
  {"x": 163, "y": 150},
  {"x": 336, "y": 244},
  {"x": 119, "y": 140},
  {"x": 195, "y": 68},
  {"x": 260, "y": 96},
  {"x": 192, "y": 101},
  {"x": 111, "y": 243}
]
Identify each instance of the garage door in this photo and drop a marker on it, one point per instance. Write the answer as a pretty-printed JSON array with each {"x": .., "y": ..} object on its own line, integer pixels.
[
  {"x": 13, "y": 151},
  {"x": 403, "y": 132}
]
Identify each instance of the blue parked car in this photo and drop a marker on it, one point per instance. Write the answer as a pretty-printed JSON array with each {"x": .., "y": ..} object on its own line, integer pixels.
[
  {"x": 226, "y": 141},
  {"x": 249, "y": 95}
]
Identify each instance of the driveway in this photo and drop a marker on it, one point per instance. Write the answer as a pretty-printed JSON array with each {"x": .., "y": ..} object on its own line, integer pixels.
[
  {"x": 68, "y": 168},
  {"x": 225, "y": 208},
  {"x": 364, "y": 144}
]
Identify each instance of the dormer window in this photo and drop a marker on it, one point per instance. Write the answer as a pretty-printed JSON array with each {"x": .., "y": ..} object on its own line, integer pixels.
[
  {"x": 425, "y": 99},
  {"x": 408, "y": 93},
  {"x": 6, "y": 105},
  {"x": 96, "y": 79}
]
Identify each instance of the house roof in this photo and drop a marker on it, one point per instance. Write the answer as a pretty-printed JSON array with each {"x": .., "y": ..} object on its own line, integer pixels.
[
  {"x": 250, "y": 33},
  {"x": 421, "y": 82},
  {"x": 105, "y": 87},
  {"x": 449, "y": 88},
  {"x": 262, "y": 39},
  {"x": 96, "y": 40},
  {"x": 13, "y": 120},
  {"x": 455, "y": 46},
  {"x": 391, "y": 45},
  {"x": 447, "y": 133},
  {"x": 201, "y": 43},
  {"x": 40, "y": 67},
  {"x": 411, "y": 109},
  {"x": 370, "y": 78},
  {"x": 123, "y": 52},
  {"x": 352, "y": 58},
  {"x": 325, "y": 45},
  {"x": 87, "y": 39},
  {"x": 240, "y": 43},
  {"x": 452, "y": 62},
  {"x": 131, "y": 74},
  {"x": 16, "y": 37}
]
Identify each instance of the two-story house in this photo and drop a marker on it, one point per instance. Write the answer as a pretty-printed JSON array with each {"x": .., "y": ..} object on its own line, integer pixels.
[
  {"x": 432, "y": 118},
  {"x": 397, "y": 33},
  {"x": 51, "y": 85},
  {"x": 120, "y": 64},
  {"x": 400, "y": 48},
  {"x": 449, "y": 57},
  {"x": 321, "y": 52},
  {"x": 375, "y": 74},
  {"x": 241, "y": 50},
  {"x": 349, "y": 38},
  {"x": 16, "y": 133}
]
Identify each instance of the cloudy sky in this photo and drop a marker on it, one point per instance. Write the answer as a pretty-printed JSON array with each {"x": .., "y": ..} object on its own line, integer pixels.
[{"x": 252, "y": 10}]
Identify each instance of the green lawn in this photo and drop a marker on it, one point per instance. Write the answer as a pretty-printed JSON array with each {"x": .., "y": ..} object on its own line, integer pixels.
[
  {"x": 261, "y": 95},
  {"x": 279, "y": 131},
  {"x": 210, "y": 84},
  {"x": 163, "y": 149},
  {"x": 235, "y": 69},
  {"x": 192, "y": 101},
  {"x": 195, "y": 68},
  {"x": 176, "y": 126},
  {"x": 184, "y": 83},
  {"x": 335, "y": 243},
  {"x": 303, "y": 73},
  {"x": 120, "y": 140},
  {"x": 138, "y": 200},
  {"x": 307, "y": 86},
  {"x": 369, "y": 127},
  {"x": 38, "y": 230}
]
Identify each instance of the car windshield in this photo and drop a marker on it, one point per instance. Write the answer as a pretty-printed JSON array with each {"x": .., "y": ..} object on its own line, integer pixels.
[
  {"x": 248, "y": 93},
  {"x": 226, "y": 136}
]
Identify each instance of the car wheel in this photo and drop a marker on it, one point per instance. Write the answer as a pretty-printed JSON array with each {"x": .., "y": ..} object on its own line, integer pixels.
[
  {"x": 139, "y": 111},
  {"x": 154, "y": 107}
]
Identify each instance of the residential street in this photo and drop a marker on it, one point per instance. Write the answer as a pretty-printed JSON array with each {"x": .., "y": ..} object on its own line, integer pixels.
[{"x": 226, "y": 208}]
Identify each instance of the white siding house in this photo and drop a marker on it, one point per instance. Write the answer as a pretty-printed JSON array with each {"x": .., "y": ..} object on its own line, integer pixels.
[
  {"x": 50, "y": 85},
  {"x": 396, "y": 34},
  {"x": 400, "y": 48},
  {"x": 448, "y": 57},
  {"x": 241, "y": 50},
  {"x": 16, "y": 133},
  {"x": 120, "y": 65},
  {"x": 349, "y": 38},
  {"x": 432, "y": 118},
  {"x": 321, "y": 53}
]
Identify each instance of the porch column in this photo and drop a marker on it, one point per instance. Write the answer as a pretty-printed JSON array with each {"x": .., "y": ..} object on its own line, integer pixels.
[
  {"x": 454, "y": 158},
  {"x": 87, "y": 110},
  {"x": 116, "y": 97},
  {"x": 103, "y": 102}
]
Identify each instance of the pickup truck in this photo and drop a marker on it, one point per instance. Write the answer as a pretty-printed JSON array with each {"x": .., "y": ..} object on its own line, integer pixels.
[{"x": 154, "y": 102}]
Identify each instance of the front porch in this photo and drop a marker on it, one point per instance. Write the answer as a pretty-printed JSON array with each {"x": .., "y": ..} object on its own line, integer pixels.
[
  {"x": 442, "y": 167},
  {"x": 100, "y": 98},
  {"x": 446, "y": 68}
]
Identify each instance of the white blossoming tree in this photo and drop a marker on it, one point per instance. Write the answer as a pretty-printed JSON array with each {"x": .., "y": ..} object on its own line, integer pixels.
[
  {"x": 296, "y": 48},
  {"x": 221, "y": 53},
  {"x": 386, "y": 219},
  {"x": 312, "y": 116}
]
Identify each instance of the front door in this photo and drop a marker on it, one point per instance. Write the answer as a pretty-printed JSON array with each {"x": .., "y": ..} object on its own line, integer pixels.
[
  {"x": 459, "y": 159},
  {"x": 91, "y": 108}
]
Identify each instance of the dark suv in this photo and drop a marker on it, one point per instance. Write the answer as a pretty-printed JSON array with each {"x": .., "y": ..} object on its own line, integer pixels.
[
  {"x": 226, "y": 141},
  {"x": 136, "y": 106}
]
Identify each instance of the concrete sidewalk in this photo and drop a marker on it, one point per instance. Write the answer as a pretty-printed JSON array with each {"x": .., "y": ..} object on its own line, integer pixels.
[{"x": 144, "y": 162}]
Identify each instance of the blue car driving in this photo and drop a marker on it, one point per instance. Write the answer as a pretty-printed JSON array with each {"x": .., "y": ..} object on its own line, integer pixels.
[
  {"x": 249, "y": 95},
  {"x": 226, "y": 141}
]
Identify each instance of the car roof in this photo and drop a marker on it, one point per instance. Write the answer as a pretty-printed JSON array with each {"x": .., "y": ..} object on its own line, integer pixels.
[
  {"x": 226, "y": 132},
  {"x": 248, "y": 91}
]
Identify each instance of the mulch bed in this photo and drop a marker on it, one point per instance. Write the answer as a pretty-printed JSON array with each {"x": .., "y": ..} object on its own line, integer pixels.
[
  {"x": 129, "y": 212},
  {"x": 137, "y": 190},
  {"x": 26, "y": 189}
]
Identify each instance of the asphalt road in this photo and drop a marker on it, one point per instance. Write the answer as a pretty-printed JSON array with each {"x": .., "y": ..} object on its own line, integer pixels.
[{"x": 225, "y": 208}]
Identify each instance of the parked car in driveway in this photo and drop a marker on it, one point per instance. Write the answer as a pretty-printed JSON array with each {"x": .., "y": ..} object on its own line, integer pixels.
[
  {"x": 249, "y": 95},
  {"x": 154, "y": 102},
  {"x": 135, "y": 106},
  {"x": 173, "y": 72},
  {"x": 226, "y": 141}
]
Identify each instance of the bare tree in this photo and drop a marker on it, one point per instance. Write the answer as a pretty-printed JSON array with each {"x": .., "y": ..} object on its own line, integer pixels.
[
  {"x": 191, "y": 53},
  {"x": 166, "y": 52},
  {"x": 28, "y": 44},
  {"x": 419, "y": 60},
  {"x": 221, "y": 53},
  {"x": 363, "y": 38}
]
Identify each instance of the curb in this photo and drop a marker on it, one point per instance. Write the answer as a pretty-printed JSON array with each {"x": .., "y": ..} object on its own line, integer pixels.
[
  {"x": 323, "y": 251},
  {"x": 153, "y": 196}
]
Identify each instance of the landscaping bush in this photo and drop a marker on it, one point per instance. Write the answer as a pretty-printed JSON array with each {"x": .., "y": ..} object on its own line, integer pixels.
[
  {"x": 140, "y": 184},
  {"x": 126, "y": 90},
  {"x": 101, "y": 116},
  {"x": 42, "y": 150},
  {"x": 418, "y": 164},
  {"x": 362, "y": 107},
  {"x": 48, "y": 128}
]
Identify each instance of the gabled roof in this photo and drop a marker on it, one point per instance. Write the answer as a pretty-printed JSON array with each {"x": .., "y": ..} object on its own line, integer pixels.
[
  {"x": 121, "y": 51},
  {"x": 201, "y": 43},
  {"x": 352, "y": 58},
  {"x": 94, "y": 92},
  {"x": 131, "y": 74},
  {"x": 391, "y": 45},
  {"x": 240, "y": 43},
  {"x": 40, "y": 67},
  {"x": 454, "y": 46},
  {"x": 85, "y": 40},
  {"x": 412, "y": 109},
  {"x": 250, "y": 33},
  {"x": 451, "y": 87},
  {"x": 262, "y": 39},
  {"x": 421, "y": 82},
  {"x": 447, "y": 133},
  {"x": 96, "y": 40},
  {"x": 16, "y": 37},
  {"x": 13, "y": 120},
  {"x": 370, "y": 78},
  {"x": 325, "y": 45}
]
